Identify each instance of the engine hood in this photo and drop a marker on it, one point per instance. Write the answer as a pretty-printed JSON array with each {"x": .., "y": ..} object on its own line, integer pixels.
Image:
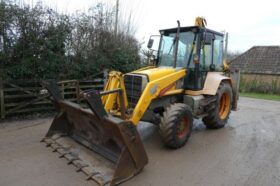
[{"x": 156, "y": 73}]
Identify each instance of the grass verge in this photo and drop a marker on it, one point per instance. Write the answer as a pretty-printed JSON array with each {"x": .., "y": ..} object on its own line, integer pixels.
[{"x": 273, "y": 97}]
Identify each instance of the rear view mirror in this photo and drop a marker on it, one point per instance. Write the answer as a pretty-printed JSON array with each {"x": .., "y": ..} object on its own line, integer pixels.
[
  {"x": 153, "y": 42},
  {"x": 150, "y": 43}
]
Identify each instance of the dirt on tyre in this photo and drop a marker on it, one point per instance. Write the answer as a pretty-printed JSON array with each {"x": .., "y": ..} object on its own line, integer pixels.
[
  {"x": 176, "y": 125},
  {"x": 219, "y": 109}
]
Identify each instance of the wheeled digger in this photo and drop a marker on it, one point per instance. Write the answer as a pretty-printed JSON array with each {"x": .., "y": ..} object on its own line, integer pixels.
[{"x": 189, "y": 79}]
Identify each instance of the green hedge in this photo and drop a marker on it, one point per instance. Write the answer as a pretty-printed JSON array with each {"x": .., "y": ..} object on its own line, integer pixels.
[
  {"x": 258, "y": 85},
  {"x": 40, "y": 43}
]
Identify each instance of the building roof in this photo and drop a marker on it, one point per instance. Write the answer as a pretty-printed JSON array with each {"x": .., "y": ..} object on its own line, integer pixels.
[{"x": 258, "y": 60}]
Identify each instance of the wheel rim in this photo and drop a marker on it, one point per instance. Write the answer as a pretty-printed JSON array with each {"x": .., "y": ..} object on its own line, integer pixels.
[
  {"x": 183, "y": 128},
  {"x": 224, "y": 106}
]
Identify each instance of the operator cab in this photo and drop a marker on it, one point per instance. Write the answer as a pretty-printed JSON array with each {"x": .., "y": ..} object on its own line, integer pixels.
[{"x": 197, "y": 49}]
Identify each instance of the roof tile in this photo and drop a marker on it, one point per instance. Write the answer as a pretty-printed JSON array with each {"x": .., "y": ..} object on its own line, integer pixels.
[{"x": 259, "y": 60}]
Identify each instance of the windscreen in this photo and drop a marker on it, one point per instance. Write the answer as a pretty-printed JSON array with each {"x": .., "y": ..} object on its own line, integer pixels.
[{"x": 185, "y": 49}]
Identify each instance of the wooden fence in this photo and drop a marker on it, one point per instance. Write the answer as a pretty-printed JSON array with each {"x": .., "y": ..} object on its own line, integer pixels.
[{"x": 28, "y": 96}]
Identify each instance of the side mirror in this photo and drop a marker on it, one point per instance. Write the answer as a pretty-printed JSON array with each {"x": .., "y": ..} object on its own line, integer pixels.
[
  {"x": 150, "y": 43},
  {"x": 208, "y": 38}
]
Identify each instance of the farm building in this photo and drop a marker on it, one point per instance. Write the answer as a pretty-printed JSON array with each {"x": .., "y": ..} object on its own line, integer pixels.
[{"x": 260, "y": 69}]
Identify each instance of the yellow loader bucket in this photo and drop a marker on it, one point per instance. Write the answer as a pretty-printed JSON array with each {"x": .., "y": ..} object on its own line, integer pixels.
[{"x": 107, "y": 149}]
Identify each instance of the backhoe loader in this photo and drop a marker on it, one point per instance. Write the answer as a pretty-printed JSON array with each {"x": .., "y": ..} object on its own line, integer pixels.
[{"x": 189, "y": 79}]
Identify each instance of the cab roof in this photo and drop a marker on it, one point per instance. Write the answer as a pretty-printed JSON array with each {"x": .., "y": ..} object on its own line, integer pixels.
[{"x": 194, "y": 28}]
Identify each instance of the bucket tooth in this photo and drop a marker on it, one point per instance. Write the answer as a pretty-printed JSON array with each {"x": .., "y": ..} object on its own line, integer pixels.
[
  {"x": 92, "y": 174},
  {"x": 56, "y": 136},
  {"x": 48, "y": 144},
  {"x": 72, "y": 160},
  {"x": 56, "y": 148},
  {"x": 64, "y": 153},
  {"x": 80, "y": 167},
  {"x": 105, "y": 180},
  {"x": 100, "y": 178},
  {"x": 42, "y": 140},
  {"x": 106, "y": 183}
]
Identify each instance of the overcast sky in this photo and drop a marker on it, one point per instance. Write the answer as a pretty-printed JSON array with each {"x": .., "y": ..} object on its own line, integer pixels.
[{"x": 248, "y": 23}]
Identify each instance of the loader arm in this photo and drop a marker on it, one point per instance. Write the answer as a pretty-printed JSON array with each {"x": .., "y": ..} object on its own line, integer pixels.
[
  {"x": 115, "y": 81},
  {"x": 152, "y": 90}
]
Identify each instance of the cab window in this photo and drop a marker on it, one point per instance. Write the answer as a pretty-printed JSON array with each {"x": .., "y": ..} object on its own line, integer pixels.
[
  {"x": 218, "y": 52},
  {"x": 211, "y": 54}
]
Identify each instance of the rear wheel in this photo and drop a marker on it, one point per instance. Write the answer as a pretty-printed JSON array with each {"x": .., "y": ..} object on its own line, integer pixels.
[
  {"x": 219, "y": 110},
  {"x": 176, "y": 125}
]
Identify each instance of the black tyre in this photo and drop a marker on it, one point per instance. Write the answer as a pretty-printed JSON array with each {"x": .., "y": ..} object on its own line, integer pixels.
[
  {"x": 219, "y": 109},
  {"x": 176, "y": 125}
]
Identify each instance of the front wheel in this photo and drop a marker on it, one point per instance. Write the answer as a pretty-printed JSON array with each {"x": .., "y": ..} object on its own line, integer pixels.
[
  {"x": 219, "y": 110},
  {"x": 176, "y": 125}
]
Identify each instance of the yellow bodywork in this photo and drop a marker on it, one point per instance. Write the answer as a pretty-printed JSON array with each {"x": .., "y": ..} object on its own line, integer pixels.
[
  {"x": 162, "y": 82},
  {"x": 156, "y": 73},
  {"x": 144, "y": 68},
  {"x": 200, "y": 21},
  {"x": 225, "y": 65},
  {"x": 115, "y": 80}
]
